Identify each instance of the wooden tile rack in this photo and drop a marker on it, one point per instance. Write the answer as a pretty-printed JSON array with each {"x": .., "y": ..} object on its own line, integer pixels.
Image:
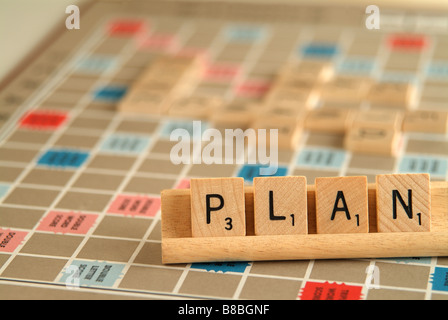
[{"x": 178, "y": 245}]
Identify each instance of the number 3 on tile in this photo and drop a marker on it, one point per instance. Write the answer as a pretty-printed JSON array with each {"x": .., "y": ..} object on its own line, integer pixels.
[{"x": 229, "y": 223}]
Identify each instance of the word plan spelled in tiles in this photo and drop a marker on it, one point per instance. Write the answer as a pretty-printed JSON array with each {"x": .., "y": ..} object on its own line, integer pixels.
[
  {"x": 218, "y": 207},
  {"x": 403, "y": 202}
]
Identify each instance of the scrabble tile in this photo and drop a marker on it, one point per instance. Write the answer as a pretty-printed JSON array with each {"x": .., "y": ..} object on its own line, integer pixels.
[
  {"x": 403, "y": 202},
  {"x": 280, "y": 205},
  {"x": 377, "y": 118},
  {"x": 342, "y": 205},
  {"x": 160, "y": 83},
  {"x": 145, "y": 102},
  {"x": 325, "y": 139},
  {"x": 218, "y": 207},
  {"x": 394, "y": 94},
  {"x": 234, "y": 115},
  {"x": 288, "y": 132},
  {"x": 345, "y": 89},
  {"x": 373, "y": 141},
  {"x": 426, "y": 121},
  {"x": 297, "y": 83},
  {"x": 196, "y": 107},
  {"x": 284, "y": 112},
  {"x": 308, "y": 69},
  {"x": 289, "y": 97},
  {"x": 332, "y": 120}
]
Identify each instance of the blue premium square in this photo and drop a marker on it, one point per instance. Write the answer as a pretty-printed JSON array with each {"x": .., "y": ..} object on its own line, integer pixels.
[
  {"x": 3, "y": 190},
  {"x": 125, "y": 143},
  {"x": 436, "y": 167},
  {"x": 96, "y": 64},
  {"x": 110, "y": 93},
  {"x": 92, "y": 274},
  {"x": 319, "y": 50},
  {"x": 251, "y": 171},
  {"x": 440, "y": 279},
  {"x": 321, "y": 158},
  {"x": 241, "y": 33},
  {"x": 63, "y": 158}
]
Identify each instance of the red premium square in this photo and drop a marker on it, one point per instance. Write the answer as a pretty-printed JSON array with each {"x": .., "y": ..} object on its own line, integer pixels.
[
  {"x": 408, "y": 42},
  {"x": 253, "y": 89},
  {"x": 11, "y": 239},
  {"x": 43, "y": 120},
  {"x": 67, "y": 222},
  {"x": 330, "y": 291},
  {"x": 125, "y": 28},
  {"x": 221, "y": 72},
  {"x": 130, "y": 205}
]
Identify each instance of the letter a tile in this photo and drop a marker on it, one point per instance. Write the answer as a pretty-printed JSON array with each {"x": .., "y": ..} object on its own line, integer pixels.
[
  {"x": 280, "y": 205},
  {"x": 342, "y": 205},
  {"x": 217, "y": 207},
  {"x": 403, "y": 202}
]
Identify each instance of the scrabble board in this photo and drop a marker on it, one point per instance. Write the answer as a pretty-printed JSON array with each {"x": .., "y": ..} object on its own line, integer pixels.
[{"x": 80, "y": 181}]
